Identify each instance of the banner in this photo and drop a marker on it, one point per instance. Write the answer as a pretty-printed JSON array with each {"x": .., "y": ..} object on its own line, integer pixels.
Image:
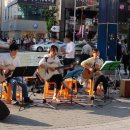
[{"x": 37, "y": 2}]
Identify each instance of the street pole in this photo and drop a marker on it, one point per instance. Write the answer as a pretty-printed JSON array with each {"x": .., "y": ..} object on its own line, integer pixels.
[{"x": 74, "y": 20}]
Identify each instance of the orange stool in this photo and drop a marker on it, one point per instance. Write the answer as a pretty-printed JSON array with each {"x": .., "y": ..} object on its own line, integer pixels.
[
  {"x": 89, "y": 88},
  {"x": 6, "y": 92},
  {"x": 47, "y": 91},
  {"x": 70, "y": 83},
  {"x": 63, "y": 91},
  {"x": 99, "y": 89}
]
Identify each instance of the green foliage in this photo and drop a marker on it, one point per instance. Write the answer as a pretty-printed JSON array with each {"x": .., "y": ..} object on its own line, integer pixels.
[{"x": 50, "y": 17}]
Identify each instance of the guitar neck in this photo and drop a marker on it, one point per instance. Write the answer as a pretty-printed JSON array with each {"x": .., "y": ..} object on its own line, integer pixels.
[{"x": 64, "y": 67}]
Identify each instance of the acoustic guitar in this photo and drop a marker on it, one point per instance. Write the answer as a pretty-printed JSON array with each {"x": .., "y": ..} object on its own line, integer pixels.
[
  {"x": 46, "y": 74},
  {"x": 87, "y": 74},
  {"x": 4, "y": 76}
]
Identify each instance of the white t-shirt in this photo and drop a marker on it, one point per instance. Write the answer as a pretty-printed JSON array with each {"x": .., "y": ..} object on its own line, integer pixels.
[
  {"x": 8, "y": 60},
  {"x": 87, "y": 49},
  {"x": 50, "y": 61},
  {"x": 70, "y": 49}
]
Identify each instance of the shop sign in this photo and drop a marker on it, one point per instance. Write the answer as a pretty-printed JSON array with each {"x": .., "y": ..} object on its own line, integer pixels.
[
  {"x": 35, "y": 26},
  {"x": 37, "y": 1}
]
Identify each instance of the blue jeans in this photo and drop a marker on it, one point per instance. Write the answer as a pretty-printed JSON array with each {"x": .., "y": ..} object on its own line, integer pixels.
[{"x": 14, "y": 83}]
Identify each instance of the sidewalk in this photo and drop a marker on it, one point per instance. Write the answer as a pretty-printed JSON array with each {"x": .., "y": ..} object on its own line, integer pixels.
[
  {"x": 110, "y": 115},
  {"x": 114, "y": 114}
]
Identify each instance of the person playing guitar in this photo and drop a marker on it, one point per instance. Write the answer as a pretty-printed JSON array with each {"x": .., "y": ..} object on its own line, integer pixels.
[
  {"x": 13, "y": 59},
  {"x": 47, "y": 64},
  {"x": 92, "y": 68}
]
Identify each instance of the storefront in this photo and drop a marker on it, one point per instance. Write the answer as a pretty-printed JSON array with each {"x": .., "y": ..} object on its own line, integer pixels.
[{"x": 25, "y": 18}]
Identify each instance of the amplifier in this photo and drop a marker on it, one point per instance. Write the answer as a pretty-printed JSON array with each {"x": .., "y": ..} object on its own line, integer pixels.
[{"x": 125, "y": 88}]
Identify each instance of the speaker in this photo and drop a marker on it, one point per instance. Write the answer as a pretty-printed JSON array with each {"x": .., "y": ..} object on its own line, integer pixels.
[
  {"x": 4, "y": 111},
  {"x": 125, "y": 88}
]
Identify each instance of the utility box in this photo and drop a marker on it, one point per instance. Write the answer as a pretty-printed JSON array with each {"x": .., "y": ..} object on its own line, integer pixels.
[{"x": 125, "y": 88}]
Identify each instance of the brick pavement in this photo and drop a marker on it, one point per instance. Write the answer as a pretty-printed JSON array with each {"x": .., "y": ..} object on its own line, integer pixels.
[{"x": 113, "y": 115}]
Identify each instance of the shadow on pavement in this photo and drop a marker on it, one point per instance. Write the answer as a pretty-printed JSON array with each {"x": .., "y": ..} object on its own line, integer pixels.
[{"x": 19, "y": 120}]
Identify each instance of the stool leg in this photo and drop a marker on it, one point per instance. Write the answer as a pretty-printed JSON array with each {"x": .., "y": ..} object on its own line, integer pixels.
[
  {"x": 9, "y": 94},
  {"x": 91, "y": 88}
]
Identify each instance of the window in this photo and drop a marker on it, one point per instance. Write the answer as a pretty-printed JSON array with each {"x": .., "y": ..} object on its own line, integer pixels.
[{"x": 27, "y": 12}]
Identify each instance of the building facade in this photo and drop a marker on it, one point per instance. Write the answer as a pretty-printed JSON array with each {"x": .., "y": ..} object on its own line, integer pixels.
[{"x": 24, "y": 18}]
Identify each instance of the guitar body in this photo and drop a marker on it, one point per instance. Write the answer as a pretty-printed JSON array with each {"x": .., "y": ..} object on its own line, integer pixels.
[
  {"x": 46, "y": 74},
  {"x": 86, "y": 74},
  {"x": 3, "y": 76}
]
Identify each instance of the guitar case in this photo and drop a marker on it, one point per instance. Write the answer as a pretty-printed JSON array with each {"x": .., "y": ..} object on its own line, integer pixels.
[{"x": 4, "y": 111}]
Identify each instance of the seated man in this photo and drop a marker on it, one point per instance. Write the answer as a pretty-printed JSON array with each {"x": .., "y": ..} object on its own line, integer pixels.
[
  {"x": 93, "y": 65},
  {"x": 12, "y": 59},
  {"x": 47, "y": 64}
]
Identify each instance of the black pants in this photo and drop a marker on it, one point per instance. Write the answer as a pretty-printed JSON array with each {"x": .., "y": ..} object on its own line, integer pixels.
[
  {"x": 68, "y": 61},
  {"x": 125, "y": 61},
  {"x": 102, "y": 79},
  {"x": 57, "y": 79}
]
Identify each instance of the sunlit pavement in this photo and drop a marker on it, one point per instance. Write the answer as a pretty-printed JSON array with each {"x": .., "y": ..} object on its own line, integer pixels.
[{"x": 109, "y": 115}]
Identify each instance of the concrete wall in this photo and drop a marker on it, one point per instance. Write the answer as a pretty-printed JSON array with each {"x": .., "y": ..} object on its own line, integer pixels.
[
  {"x": 24, "y": 25},
  {"x": 29, "y": 58}
]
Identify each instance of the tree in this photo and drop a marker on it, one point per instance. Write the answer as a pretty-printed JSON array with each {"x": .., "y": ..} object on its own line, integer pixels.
[{"x": 50, "y": 18}]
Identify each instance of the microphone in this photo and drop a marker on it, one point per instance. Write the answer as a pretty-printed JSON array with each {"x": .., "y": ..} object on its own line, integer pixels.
[
  {"x": 39, "y": 57},
  {"x": 46, "y": 57}
]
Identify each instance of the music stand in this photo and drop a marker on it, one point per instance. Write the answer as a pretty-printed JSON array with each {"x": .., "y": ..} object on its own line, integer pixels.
[
  {"x": 24, "y": 71},
  {"x": 110, "y": 66}
]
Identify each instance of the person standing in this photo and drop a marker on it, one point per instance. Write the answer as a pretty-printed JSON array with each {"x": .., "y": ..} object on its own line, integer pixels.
[
  {"x": 119, "y": 51},
  {"x": 86, "y": 51},
  {"x": 13, "y": 59},
  {"x": 69, "y": 53},
  {"x": 125, "y": 56},
  {"x": 54, "y": 41}
]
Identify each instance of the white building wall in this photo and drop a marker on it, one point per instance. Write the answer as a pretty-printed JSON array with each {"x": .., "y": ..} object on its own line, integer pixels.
[{"x": 10, "y": 25}]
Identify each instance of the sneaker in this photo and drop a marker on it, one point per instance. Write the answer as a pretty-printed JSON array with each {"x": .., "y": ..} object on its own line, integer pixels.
[
  {"x": 44, "y": 101},
  {"x": 28, "y": 100},
  {"x": 15, "y": 102},
  {"x": 92, "y": 97}
]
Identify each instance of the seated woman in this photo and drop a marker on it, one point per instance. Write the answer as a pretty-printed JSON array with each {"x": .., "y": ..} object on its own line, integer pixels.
[{"x": 49, "y": 63}]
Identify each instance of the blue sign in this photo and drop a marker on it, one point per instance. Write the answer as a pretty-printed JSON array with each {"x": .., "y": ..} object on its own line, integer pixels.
[{"x": 35, "y": 26}]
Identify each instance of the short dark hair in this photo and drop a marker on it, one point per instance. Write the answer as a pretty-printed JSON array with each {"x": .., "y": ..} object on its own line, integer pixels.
[
  {"x": 95, "y": 50},
  {"x": 54, "y": 36},
  {"x": 54, "y": 48},
  {"x": 13, "y": 47},
  {"x": 69, "y": 36}
]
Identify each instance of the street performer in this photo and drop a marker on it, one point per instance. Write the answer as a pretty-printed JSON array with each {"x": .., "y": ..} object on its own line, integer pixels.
[
  {"x": 93, "y": 64},
  {"x": 47, "y": 64},
  {"x": 13, "y": 59}
]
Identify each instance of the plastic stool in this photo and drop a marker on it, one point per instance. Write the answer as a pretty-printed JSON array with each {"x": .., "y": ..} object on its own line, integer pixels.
[{"x": 6, "y": 94}]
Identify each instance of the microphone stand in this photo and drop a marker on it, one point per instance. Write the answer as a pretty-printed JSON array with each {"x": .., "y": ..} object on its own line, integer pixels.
[
  {"x": 46, "y": 70},
  {"x": 71, "y": 93}
]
